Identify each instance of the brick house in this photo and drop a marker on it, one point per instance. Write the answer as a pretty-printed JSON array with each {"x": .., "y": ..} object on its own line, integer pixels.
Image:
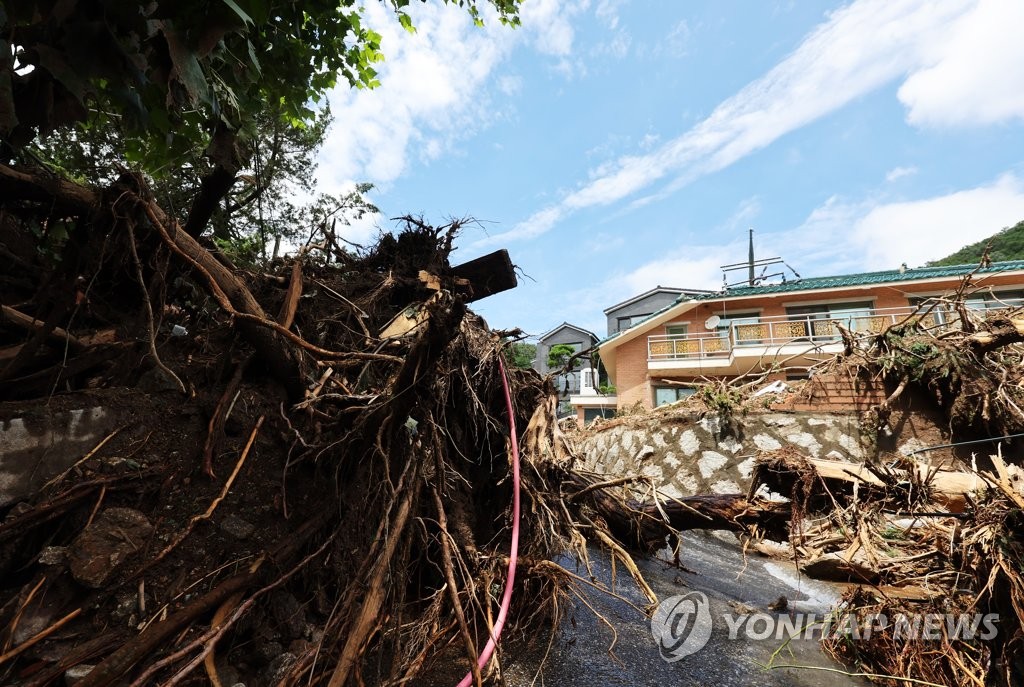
[{"x": 747, "y": 329}]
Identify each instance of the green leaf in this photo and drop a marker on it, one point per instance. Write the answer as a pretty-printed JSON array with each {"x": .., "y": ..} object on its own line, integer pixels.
[
  {"x": 252, "y": 56},
  {"x": 406, "y": 22},
  {"x": 187, "y": 70},
  {"x": 239, "y": 11}
]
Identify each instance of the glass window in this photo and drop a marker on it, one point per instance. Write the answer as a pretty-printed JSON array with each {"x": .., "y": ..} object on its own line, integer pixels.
[
  {"x": 591, "y": 414},
  {"x": 994, "y": 301},
  {"x": 625, "y": 323},
  {"x": 671, "y": 394},
  {"x": 567, "y": 383},
  {"x": 676, "y": 329}
]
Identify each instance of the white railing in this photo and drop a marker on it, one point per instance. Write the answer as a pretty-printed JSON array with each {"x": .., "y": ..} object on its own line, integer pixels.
[{"x": 783, "y": 330}]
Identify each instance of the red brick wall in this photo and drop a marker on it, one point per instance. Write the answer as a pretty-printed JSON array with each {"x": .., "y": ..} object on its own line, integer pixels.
[
  {"x": 631, "y": 381},
  {"x": 835, "y": 393}
]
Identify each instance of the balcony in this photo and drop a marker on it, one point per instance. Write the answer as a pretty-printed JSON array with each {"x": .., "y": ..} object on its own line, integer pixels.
[{"x": 752, "y": 340}]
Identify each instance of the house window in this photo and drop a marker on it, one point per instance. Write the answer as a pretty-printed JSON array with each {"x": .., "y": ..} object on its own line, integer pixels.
[
  {"x": 931, "y": 312},
  {"x": 624, "y": 323},
  {"x": 671, "y": 394},
  {"x": 994, "y": 301},
  {"x": 567, "y": 384},
  {"x": 591, "y": 414},
  {"x": 677, "y": 329}
]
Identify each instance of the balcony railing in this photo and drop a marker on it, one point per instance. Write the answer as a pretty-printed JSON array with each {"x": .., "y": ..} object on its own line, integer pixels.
[
  {"x": 668, "y": 347},
  {"x": 810, "y": 329}
]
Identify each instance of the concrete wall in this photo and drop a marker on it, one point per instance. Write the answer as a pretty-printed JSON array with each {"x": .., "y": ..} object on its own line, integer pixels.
[
  {"x": 40, "y": 444},
  {"x": 688, "y": 454}
]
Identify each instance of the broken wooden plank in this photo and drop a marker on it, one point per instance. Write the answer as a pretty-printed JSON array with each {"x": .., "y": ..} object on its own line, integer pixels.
[{"x": 487, "y": 275}]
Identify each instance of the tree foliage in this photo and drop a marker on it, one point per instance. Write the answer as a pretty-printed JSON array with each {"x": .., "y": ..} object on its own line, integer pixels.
[
  {"x": 215, "y": 101},
  {"x": 1007, "y": 244},
  {"x": 559, "y": 355},
  {"x": 521, "y": 355},
  {"x": 172, "y": 71}
]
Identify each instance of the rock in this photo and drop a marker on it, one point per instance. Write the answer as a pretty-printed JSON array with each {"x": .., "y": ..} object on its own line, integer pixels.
[
  {"x": 156, "y": 380},
  {"x": 236, "y": 527},
  {"x": 41, "y": 445},
  {"x": 279, "y": 667},
  {"x": 267, "y": 651},
  {"x": 765, "y": 442},
  {"x": 710, "y": 462},
  {"x": 725, "y": 486},
  {"x": 227, "y": 673},
  {"x": 53, "y": 555},
  {"x": 102, "y": 548},
  {"x": 74, "y": 675},
  {"x": 289, "y": 615}
]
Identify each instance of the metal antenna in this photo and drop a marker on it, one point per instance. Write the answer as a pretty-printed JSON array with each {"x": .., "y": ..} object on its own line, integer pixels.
[{"x": 750, "y": 260}]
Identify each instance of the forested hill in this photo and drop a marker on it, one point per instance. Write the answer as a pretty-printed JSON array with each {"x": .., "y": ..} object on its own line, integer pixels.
[{"x": 1007, "y": 244}]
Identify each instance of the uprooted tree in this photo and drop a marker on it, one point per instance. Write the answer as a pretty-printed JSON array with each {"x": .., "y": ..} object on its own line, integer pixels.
[
  {"x": 312, "y": 454},
  {"x": 312, "y": 451}
]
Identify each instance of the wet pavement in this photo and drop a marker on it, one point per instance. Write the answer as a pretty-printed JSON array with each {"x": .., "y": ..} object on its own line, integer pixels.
[{"x": 733, "y": 585}]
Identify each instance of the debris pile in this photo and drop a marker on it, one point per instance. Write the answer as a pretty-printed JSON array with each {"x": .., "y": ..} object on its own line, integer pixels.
[
  {"x": 319, "y": 494},
  {"x": 308, "y": 475},
  {"x": 922, "y": 539}
]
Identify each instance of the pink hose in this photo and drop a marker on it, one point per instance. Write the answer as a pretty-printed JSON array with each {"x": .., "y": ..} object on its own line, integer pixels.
[{"x": 506, "y": 599}]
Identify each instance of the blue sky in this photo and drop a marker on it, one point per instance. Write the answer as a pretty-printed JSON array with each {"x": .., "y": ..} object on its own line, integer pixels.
[{"x": 612, "y": 146}]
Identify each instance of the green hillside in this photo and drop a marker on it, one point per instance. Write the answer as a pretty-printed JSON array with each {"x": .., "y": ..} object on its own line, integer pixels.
[{"x": 1007, "y": 244}]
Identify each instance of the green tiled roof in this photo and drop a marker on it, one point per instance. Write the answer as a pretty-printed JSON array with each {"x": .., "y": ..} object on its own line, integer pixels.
[
  {"x": 840, "y": 281},
  {"x": 863, "y": 279}
]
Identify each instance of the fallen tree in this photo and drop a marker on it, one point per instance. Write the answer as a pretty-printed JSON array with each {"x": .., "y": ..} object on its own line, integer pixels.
[
  {"x": 337, "y": 479},
  {"x": 917, "y": 540}
]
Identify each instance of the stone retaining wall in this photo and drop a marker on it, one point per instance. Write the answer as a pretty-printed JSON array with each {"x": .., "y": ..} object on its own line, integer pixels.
[{"x": 688, "y": 454}]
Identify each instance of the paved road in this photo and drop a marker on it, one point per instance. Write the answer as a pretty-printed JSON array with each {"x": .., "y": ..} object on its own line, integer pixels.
[{"x": 579, "y": 654}]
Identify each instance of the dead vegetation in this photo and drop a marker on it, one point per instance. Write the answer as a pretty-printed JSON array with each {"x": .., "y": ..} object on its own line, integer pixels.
[
  {"x": 919, "y": 538},
  {"x": 315, "y": 479}
]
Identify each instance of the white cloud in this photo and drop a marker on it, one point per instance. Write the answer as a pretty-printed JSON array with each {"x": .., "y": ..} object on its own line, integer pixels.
[
  {"x": 608, "y": 12},
  {"x": 550, "y": 22},
  {"x": 899, "y": 172},
  {"x": 617, "y": 47},
  {"x": 689, "y": 266},
  {"x": 977, "y": 76},
  {"x": 858, "y": 49},
  {"x": 429, "y": 94},
  {"x": 917, "y": 231},
  {"x": 510, "y": 84},
  {"x": 842, "y": 236},
  {"x": 678, "y": 268},
  {"x": 435, "y": 85},
  {"x": 678, "y": 40}
]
